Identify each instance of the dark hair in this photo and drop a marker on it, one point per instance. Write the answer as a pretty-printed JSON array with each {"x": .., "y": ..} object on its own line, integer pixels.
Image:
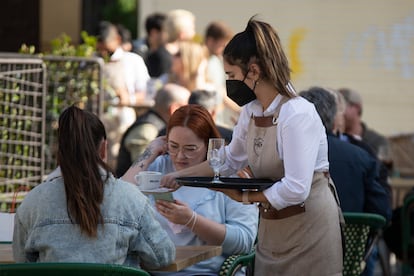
[
  {"x": 259, "y": 43},
  {"x": 124, "y": 33},
  {"x": 106, "y": 31},
  {"x": 80, "y": 135},
  {"x": 324, "y": 102},
  {"x": 196, "y": 118},
  {"x": 154, "y": 21}
]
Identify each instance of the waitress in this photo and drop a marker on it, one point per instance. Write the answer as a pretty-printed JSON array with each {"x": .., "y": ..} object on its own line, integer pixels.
[{"x": 280, "y": 136}]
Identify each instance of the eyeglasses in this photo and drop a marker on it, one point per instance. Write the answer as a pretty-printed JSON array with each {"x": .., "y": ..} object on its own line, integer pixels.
[{"x": 190, "y": 151}]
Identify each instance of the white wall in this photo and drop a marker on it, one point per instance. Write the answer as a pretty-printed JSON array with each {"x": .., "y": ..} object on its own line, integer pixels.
[{"x": 365, "y": 45}]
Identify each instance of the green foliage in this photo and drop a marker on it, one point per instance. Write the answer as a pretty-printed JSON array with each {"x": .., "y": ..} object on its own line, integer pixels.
[
  {"x": 69, "y": 81},
  {"x": 122, "y": 12},
  {"x": 63, "y": 46},
  {"x": 27, "y": 49}
]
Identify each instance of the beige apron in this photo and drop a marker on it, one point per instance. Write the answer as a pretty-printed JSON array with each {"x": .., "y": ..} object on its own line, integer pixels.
[{"x": 308, "y": 243}]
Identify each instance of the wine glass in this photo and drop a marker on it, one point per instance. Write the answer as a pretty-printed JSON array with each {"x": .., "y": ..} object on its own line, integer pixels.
[{"x": 214, "y": 157}]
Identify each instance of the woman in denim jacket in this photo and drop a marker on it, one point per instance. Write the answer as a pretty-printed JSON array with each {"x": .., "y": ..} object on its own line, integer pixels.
[
  {"x": 198, "y": 216},
  {"x": 81, "y": 213}
]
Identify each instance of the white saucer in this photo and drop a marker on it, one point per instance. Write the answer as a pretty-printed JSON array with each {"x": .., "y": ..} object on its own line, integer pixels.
[{"x": 157, "y": 190}]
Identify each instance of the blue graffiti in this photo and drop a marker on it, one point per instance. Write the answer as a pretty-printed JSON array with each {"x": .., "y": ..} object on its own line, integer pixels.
[{"x": 388, "y": 48}]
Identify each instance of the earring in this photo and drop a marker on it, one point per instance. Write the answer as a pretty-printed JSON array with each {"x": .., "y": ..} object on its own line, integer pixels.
[{"x": 255, "y": 83}]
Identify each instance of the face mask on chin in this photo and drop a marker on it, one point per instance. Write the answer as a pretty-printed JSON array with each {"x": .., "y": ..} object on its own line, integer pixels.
[{"x": 239, "y": 91}]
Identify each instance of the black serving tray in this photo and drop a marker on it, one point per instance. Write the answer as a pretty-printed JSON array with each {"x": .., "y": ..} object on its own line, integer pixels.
[{"x": 227, "y": 183}]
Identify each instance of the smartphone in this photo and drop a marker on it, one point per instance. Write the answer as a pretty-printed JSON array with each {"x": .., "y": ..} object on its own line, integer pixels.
[{"x": 164, "y": 196}]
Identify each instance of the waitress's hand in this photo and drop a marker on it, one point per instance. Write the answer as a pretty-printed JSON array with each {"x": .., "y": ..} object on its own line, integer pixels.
[
  {"x": 168, "y": 180},
  {"x": 177, "y": 212}
]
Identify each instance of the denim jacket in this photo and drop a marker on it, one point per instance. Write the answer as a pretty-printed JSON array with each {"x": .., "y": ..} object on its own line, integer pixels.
[{"x": 130, "y": 234}]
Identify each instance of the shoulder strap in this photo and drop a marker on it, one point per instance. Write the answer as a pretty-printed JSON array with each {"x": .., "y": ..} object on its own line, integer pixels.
[{"x": 267, "y": 121}]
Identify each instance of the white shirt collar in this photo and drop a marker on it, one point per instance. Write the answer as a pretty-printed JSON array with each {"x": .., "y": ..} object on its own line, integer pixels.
[
  {"x": 257, "y": 108},
  {"x": 117, "y": 55}
]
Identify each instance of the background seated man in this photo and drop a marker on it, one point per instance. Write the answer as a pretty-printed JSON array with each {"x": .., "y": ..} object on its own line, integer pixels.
[
  {"x": 147, "y": 126},
  {"x": 353, "y": 170}
]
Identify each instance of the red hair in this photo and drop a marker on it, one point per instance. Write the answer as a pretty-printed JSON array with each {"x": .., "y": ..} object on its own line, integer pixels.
[{"x": 196, "y": 118}]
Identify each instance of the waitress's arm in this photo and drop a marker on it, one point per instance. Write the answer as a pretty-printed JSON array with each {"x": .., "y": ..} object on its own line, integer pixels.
[{"x": 201, "y": 169}]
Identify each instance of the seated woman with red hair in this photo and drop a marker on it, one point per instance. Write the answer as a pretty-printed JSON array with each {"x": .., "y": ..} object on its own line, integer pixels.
[{"x": 198, "y": 216}]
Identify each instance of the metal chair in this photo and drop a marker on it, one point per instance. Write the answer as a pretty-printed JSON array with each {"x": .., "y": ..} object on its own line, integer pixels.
[
  {"x": 69, "y": 269},
  {"x": 407, "y": 238},
  {"x": 361, "y": 234},
  {"x": 234, "y": 263}
]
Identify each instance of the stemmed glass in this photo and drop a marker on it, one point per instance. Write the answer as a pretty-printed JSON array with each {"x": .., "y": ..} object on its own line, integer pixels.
[{"x": 214, "y": 157}]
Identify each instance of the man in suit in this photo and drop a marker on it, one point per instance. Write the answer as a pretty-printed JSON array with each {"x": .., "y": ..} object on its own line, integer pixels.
[
  {"x": 354, "y": 171},
  {"x": 358, "y": 130}
]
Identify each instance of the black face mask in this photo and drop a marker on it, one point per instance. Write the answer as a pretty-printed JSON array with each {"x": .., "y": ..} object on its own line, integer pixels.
[{"x": 239, "y": 92}]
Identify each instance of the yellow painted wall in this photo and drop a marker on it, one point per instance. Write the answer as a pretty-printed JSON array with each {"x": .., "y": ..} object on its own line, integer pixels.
[
  {"x": 366, "y": 45},
  {"x": 57, "y": 17}
]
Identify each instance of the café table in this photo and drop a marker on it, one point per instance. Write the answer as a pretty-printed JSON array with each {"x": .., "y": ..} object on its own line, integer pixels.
[{"x": 185, "y": 255}]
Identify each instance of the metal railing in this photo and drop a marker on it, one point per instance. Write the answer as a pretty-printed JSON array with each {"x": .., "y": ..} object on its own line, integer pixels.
[
  {"x": 70, "y": 80},
  {"x": 22, "y": 125},
  {"x": 30, "y": 130}
]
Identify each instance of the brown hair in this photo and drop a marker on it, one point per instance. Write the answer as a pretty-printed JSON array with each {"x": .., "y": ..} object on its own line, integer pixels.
[
  {"x": 259, "y": 43},
  {"x": 80, "y": 135},
  {"x": 196, "y": 118},
  {"x": 218, "y": 30}
]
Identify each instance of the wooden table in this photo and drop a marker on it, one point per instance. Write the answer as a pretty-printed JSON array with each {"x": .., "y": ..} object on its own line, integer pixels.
[
  {"x": 185, "y": 255},
  {"x": 188, "y": 255},
  {"x": 6, "y": 253},
  {"x": 400, "y": 187}
]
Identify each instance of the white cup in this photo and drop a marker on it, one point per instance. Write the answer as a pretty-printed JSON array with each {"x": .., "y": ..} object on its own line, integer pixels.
[{"x": 148, "y": 180}]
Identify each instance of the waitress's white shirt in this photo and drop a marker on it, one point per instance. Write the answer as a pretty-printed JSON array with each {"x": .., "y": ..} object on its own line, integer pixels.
[{"x": 301, "y": 144}]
